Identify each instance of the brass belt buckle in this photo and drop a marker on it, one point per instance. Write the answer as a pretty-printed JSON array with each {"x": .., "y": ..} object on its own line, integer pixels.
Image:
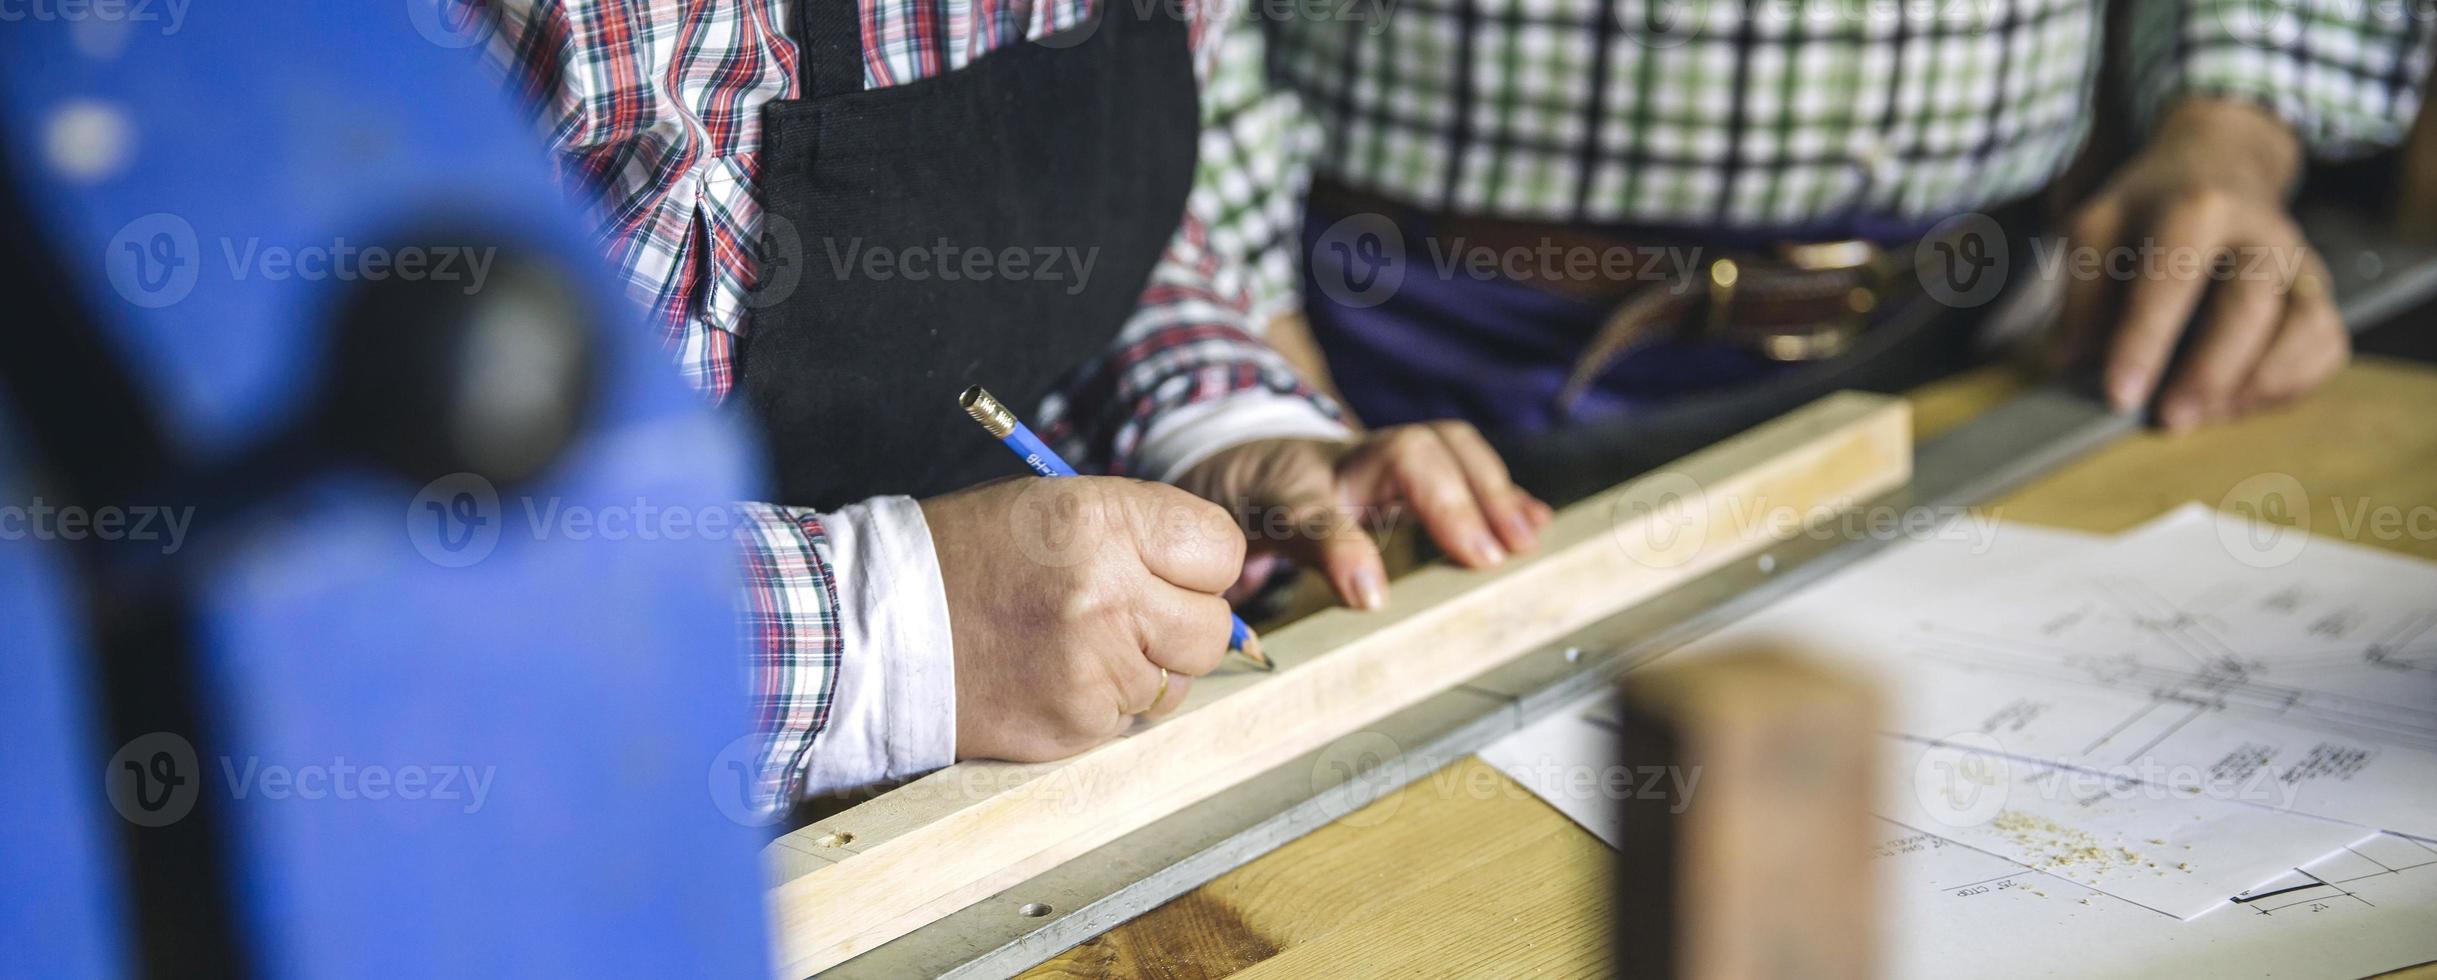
[{"x": 1862, "y": 260}]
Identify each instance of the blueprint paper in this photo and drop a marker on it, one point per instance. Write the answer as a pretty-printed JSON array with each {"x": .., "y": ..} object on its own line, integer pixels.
[
  {"x": 1565, "y": 756},
  {"x": 1953, "y": 911},
  {"x": 2277, "y": 699},
  {"x": 2291, "y": 672},
  {"x": 2178, "y": 854}
]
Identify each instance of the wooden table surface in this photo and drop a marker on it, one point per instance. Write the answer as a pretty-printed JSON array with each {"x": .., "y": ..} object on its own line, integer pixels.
[{"x": 1465, "y": 872}]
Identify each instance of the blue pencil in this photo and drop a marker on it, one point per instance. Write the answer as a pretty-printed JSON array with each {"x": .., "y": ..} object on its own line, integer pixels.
[{"x": 1018, "y": 437}]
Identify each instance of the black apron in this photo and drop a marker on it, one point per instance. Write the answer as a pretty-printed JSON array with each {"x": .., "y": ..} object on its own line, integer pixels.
[{"x": 1030, "y": 156}]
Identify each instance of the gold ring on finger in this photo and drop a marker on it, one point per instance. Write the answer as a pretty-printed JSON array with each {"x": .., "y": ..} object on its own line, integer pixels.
[{"x": 1158, "y": 696}]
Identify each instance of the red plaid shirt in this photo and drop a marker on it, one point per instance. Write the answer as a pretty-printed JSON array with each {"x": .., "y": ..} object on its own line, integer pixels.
[{"x": 654, "y": 108}]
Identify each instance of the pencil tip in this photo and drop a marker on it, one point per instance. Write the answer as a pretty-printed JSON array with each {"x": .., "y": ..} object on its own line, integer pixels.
[{"x": 1252, "y": 651}]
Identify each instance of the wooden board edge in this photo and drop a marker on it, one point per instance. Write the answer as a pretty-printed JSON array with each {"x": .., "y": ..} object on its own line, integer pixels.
[{"x": 918, "y": 858}]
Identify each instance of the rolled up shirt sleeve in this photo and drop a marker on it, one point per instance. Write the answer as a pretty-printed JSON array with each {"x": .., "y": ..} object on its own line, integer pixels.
[
  {"x": 850, "y": 659},
  {"x": 2347, "y": 76}
]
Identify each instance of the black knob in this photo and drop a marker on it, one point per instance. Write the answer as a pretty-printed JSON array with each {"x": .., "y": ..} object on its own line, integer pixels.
[{"x": 488, "y": 374}]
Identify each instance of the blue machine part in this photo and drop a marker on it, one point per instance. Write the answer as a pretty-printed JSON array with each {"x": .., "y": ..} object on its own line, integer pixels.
[
  {"x": 63, "y": 911},
  {"x": 543, "y": 676}
]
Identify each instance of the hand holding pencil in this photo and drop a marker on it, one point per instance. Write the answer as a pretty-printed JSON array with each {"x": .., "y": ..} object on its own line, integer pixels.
[{"x": 1019, "y": 438}]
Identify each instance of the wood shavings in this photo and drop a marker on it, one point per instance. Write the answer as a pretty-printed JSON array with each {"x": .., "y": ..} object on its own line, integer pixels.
[{"x": 2054, "y": 845}]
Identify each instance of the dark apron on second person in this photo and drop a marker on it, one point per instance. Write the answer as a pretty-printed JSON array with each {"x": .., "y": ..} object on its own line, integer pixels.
[{"x": 941, "y": 231}]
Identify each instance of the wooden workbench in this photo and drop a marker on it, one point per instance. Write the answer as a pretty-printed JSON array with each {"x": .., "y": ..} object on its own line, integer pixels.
[{"x": 1466, "y": 873}]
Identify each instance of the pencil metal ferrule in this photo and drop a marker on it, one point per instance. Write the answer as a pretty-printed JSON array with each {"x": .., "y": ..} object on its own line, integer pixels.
[{"x": 987, "y": 411}]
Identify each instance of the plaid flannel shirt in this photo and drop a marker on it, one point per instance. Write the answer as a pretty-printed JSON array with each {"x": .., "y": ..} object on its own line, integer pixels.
[
  {"x": 654, "y": 110},
  {"x": 1754, "y": 114}
]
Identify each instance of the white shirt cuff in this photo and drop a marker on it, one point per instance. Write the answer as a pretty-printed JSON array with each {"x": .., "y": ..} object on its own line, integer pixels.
[
  {"x": 893, "y": 716},
  {"x": 1188, "y": 434}
]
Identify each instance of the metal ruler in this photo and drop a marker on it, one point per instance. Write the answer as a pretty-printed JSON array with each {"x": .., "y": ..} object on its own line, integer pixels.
[{"x": 2003, "y": 448}]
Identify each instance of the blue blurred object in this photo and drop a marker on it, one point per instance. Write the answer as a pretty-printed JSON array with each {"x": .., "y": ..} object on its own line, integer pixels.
[{"x": 438, "y": 676}]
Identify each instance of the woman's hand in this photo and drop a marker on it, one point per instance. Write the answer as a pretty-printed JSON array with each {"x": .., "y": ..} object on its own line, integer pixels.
[{"x": 1316, "y": 502}]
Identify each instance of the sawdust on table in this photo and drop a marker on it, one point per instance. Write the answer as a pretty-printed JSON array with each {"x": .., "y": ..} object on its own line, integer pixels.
[{"x": 2054, "y": 846}]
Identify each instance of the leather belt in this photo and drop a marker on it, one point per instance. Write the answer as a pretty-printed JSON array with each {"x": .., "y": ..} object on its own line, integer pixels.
[{"x": 1791, "y": 302}]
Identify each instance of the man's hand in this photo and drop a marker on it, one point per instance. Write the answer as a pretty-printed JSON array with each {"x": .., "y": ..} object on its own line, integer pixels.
[
  {"x": 2204, "y": 209},
  {"x": 1067, "y": 597},
  {"x": 1313, "y": 501}
]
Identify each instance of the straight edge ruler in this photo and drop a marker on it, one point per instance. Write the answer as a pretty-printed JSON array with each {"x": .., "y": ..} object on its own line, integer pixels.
[{"x": 1999, "y": 450}]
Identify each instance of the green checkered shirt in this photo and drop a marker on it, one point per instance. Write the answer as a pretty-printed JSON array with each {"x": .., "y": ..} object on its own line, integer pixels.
[{"x": 1746, "y": 114}]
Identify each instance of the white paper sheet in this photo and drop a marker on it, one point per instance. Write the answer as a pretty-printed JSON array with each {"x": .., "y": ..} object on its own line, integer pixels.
[
  {"x": 2291, "y": 672},
  {"x": 1954, "y": 911},
  {"x": 2187, "y": 730}
]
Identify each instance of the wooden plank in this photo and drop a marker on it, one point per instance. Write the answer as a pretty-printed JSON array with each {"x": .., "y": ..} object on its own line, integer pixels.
[
  {"x": 969, "y": 831},
  {"x": 1754, "y": 854}
]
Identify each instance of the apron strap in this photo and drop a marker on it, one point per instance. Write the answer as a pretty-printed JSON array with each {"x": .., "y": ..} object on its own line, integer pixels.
[{"x": 829, "y": 41}]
